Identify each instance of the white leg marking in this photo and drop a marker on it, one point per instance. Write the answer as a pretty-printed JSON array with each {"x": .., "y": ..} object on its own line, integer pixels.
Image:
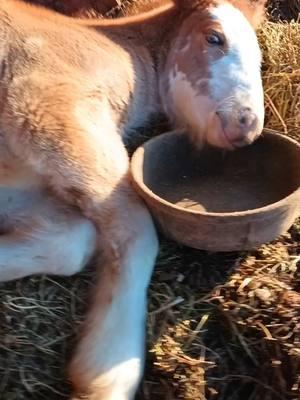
[{"x": 110, "y": 357}]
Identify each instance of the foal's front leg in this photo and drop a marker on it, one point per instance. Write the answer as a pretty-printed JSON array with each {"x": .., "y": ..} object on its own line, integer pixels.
[
  {"x": 109, "y": 359},
  {"x": 86, "y": 163}
]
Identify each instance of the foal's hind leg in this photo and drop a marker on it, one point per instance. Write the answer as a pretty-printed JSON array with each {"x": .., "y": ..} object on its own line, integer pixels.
[
  {"x": 49, "y": 249},
  {"x": 90, "y": 167}
]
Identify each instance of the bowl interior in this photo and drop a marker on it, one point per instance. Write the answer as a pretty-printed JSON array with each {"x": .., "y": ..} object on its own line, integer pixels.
[{"x": 215, "y": 180}]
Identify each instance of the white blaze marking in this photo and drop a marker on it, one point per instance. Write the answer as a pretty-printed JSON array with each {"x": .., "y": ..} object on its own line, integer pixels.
[{"x": 238, "y": 72}]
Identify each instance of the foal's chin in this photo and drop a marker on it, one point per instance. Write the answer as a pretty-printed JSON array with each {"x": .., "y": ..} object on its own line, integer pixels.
[
  {"x": 225, "y": 137},
  {"x": 210, "y": 132}
]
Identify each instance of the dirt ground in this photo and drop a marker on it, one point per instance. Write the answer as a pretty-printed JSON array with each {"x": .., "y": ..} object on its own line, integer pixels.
[{"x": 220, "y": 326}]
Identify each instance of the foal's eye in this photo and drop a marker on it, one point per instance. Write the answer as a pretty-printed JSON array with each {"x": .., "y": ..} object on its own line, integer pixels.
[{"x": 215, "y": 39}]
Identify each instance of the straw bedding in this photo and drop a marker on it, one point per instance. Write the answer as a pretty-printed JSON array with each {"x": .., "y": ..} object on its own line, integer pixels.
[
  {"x": 220, "y": 326},
  {"x": 281, "y": 45}
]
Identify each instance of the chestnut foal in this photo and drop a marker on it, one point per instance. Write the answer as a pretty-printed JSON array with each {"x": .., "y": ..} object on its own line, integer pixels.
[{"x": 71, "y": 91}]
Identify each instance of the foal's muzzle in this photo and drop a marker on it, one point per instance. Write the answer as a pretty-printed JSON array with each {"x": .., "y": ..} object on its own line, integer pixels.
[{"x": 240, "y": 127}]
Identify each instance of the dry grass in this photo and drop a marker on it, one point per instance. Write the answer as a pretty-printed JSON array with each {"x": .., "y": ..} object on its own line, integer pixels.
[
  {"x": 237, "y": 321},
  {"x": 221, "y": 326},
  {"x": 281, "y": 46}
]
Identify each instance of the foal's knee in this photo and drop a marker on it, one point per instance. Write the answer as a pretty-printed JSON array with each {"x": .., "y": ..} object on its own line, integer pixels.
[{"x": 73, "y": 248}]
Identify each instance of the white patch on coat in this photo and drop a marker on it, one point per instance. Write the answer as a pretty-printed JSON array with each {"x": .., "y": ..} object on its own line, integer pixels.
[
  {"x": 187, "y": 45},
  {"x": 190, "y": 107}
]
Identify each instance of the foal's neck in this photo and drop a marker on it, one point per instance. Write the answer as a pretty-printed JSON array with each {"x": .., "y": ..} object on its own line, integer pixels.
[{"x": 152, "y": 29}]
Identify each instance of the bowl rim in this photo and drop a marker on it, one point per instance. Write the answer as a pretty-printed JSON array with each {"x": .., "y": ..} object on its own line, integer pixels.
[{"x": 136, "y": 160}]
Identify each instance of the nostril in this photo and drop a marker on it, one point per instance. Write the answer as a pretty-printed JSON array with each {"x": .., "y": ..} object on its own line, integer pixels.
[
  {"x": 243, "y": 120},
  {"x": 247, "y": 118}
]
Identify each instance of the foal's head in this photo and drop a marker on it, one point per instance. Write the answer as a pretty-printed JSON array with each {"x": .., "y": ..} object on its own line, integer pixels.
[{"x": 211, "y": 83}]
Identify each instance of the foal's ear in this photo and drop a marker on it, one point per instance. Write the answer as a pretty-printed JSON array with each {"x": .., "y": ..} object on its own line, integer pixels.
[{"x": 259, "y": 12}]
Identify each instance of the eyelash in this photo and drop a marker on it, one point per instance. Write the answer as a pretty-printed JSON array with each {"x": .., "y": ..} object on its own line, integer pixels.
[{"x": 214, "y": 39}]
